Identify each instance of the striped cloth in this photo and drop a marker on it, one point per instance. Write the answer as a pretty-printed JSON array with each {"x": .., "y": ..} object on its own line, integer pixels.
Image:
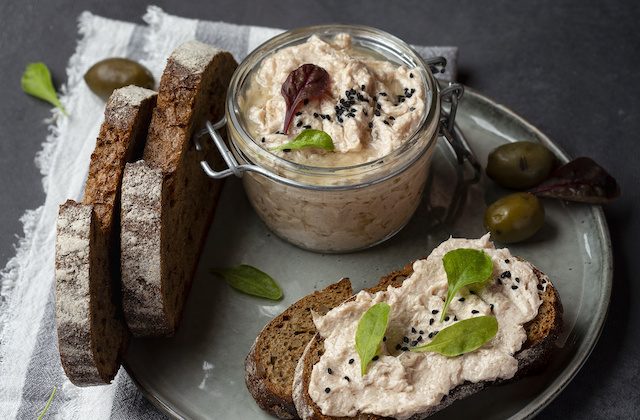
[{"x": 29, "y": 361}]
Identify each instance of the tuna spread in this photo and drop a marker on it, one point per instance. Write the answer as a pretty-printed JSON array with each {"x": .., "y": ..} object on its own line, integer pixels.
[
  {"x": 371, "y": 107},
  {"x": 401, "y": 382}
]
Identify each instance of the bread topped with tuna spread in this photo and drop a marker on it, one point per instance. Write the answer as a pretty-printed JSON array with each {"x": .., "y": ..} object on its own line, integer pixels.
[{"x": 512, "y": 280}]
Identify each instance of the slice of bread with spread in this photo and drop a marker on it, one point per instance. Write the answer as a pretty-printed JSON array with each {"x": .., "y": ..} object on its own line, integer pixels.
[
  {"x": 174, "y": 218},
  {"x": 92, "y": 335},
  {"x": 541, "y": 333},
  {"x": 274, "y": 355}
]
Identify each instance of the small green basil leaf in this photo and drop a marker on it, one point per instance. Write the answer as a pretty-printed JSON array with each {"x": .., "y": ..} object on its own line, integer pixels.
[
  {"x": 309, "y": 138},
  {"x": 462, "y": 337},
  {"x": 250, "y": 280},
  {"x": 370, "y": 332},
  {"x": 36, "y": 81},
  {"x": 463, "y": 267},
  {"x": 48, "y": 403}
]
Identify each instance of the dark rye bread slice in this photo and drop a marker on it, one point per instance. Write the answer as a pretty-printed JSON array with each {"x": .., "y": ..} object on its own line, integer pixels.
[
  {"x": 178, "y": 216},
  {"x": 92, "y": 336},
  {"x": 274, "y": 355},
  {"x": 542, "y": 332}
]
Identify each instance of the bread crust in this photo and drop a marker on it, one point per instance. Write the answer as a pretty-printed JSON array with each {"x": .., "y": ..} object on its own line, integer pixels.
[
  {"x": 192, "y": 90},
  {"x": 539, "y": 346}
]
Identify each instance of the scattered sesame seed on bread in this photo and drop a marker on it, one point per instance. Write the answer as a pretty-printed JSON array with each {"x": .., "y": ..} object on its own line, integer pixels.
[
  {"x": 192, "y": 91},
  {"x": 542, "y": 332},
  {"x": 92, "y": 335},
  {"x": 274, "y": 355}
]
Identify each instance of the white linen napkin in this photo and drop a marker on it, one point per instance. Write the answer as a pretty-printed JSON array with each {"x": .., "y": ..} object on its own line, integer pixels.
[{"x": 29, "y": 361}]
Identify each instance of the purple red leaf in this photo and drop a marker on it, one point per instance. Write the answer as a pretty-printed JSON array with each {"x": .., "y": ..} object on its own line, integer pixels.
[{"x": 306, "y": 82}]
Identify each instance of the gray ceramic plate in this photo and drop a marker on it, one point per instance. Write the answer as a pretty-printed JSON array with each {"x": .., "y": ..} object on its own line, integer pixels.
[{"x": 199, "y": 373}]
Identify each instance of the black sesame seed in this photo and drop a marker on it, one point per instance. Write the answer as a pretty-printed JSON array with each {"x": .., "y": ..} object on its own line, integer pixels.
[
  {"x": 461, "y": 300},
  {"x": 514, "y": 287},
  {"x": 351, "y": 361},
  {"x": 500, "y": 282},
  {"x": 383, "y": 93},
  {"x": 352, "y": 91},
  {"x": 286, "y": 150},
  {"x": 375, "y": 98},
  {"x": 398, "y": 346},
  {"x": 299, "y": 124},
  {"x": 471, "y": 292},
  {"x": 379, "y": 106},
  {"x": 370, "y": 125},
  {"x": 347, "y": 378},
  {"x": 412, "y": 109},
  {"x": 351, "y": 115},
  {"x": 328, "y": 117},
  {"x": 405, "y": 348},
  {"x": 419, "y": 339},
  {"x": 352, "y": 110},
  {"x": 384, "y": 338},
  {"x": 375, "y": 358},
  {"x": 446, "y": 318},
  {"x": 327, "y": 390},
  {"x": 421, "y": 332},
  {"x": 315, "y": 115},
  {"x": 540, "y": 287},
  {"x": 506, "y": 274},
  {"x": 364, "y": 111},
  {"x": 263, "y": 139},
  {"x": 517, "y": 280},
  {"x": 474, "y": 311},
  {"x": 491, "y": 307},
  {"x": 298, "y": 113},
  {"x": 507, "y": 260},
  {"x": 430, "y": 335},
  {"x": 413, "y": 330},
  {"x": 411, "y": 75},
  {"x": 347, "y": 93},
  {"x": 414, "y": 343},
  {"x": 431, "y": 321},
  {"x": 340, "y": 119},
  {"x": 362, "y": 87},
  {"x": 435, "y": 332},
  {"x": 329, "y": 371},
  {"x": 386, "y": 122},
  {"x": 376, "y": 113},
  {"x": 455, "y": 318},
  {"x": 405, "y": 339},
  {"x": 435, "y": 311},
  {"x": 306, "y": 126},
  {"x": 392, "y": 118}
]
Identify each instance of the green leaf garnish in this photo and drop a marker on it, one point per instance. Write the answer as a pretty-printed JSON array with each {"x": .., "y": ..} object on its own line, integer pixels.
[
  {"x": 463, "y": 267},
  {"x": 309, "y": 138},
  {"x": 462, "y": 337},
  {"x": 250, "y": 280},
  {"x": 48, "y": 403},
  {"x": 370, "y": 332},
  {"x": 36, "y": 81}
]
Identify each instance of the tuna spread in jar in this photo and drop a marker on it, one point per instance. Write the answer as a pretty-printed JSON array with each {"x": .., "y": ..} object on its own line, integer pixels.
[
  {"x": 381, "y": 109},
  {"x": 371, "y": 106},
  {"x": 400, "y": 383}
]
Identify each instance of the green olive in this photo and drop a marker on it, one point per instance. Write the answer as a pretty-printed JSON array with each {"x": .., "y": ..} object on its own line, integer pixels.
[
  {"x": 114, "y": 73},
  {"x": 514, "y": 218},
  {"x": 520, "y": 165}
]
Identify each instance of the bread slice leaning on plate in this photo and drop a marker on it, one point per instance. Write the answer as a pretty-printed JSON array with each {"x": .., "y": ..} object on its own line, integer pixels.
[
  {"x": 92, "y": 335},
  {"x": 541, "y": 332},
  {"x": 167, "y": 200}
]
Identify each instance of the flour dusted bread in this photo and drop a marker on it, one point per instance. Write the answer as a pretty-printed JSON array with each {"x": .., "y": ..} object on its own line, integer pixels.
[
  {"x": 534, "y": 354},
  {"x": 92, "y": 336},
  {"x": 171, "y": 219},
  {"x": 274, "y": 355}
]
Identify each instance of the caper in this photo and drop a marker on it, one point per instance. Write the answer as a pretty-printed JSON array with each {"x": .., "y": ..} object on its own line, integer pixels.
[
  {"x": 113, "y": 73},
  {"x": 520, "y": 165},
  {"x": 514, "y": 218}
]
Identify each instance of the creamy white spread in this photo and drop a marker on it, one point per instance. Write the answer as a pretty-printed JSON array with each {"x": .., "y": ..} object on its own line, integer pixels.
[
  {"x": 401, "y": 382},
  {"x": 371, "y": 107}
]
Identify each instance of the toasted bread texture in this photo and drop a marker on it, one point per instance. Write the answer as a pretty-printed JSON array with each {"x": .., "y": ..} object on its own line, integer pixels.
[
  {"x": 542, "y": 332},
  {"x": 274, "y": 355},
  {"x": 92, "y": 335},
  {"x": 192, "y": 90}
]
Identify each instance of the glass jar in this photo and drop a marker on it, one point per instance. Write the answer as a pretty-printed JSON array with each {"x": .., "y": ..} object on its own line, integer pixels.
[{"x": 335, "y": 209}]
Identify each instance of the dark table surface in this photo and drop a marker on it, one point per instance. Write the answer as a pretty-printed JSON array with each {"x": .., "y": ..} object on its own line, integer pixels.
[{"x": 568, "y": 67}]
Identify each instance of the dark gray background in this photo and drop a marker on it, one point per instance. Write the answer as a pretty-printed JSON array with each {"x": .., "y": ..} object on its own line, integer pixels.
[{"x": 568, "y": 67}]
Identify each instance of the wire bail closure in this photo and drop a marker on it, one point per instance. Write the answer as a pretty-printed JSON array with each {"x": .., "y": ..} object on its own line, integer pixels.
[{"x": 447, "y": 128}]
